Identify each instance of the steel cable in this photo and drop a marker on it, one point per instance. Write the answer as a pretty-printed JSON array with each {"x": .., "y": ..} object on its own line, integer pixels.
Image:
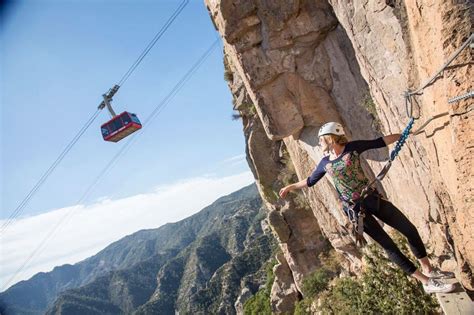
[
  {"x": 110, "y": 164},
  {"x": 45, "y": 176},
  {"x": 147, "y": 49}
]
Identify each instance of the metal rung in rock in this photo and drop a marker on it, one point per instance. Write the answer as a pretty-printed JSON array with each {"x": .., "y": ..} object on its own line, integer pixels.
[
  {"x": 457, "y": 302},
  {"x": 461, "y": 97}
]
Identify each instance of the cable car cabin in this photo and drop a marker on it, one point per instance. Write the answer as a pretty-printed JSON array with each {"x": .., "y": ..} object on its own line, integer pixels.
[{"x": 120, "y": 126}]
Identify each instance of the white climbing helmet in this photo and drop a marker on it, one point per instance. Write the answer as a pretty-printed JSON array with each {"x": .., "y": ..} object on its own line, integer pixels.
[{"x": 331, "y": 128}]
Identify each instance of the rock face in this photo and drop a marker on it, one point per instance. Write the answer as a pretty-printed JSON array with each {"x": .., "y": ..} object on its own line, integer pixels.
[
  {"x": 284, "y": 291},
  {"x": 293, "y": 65}
]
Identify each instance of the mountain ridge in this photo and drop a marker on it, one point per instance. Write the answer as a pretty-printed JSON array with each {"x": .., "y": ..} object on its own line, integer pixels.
[{"x": 126, "y": 274}]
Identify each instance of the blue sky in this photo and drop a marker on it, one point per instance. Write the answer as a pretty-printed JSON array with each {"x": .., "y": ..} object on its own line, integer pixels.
[{"x": 58, "y": 58}]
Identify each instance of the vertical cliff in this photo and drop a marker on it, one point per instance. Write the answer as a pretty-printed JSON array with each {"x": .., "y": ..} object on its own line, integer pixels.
[{"x": 293, "y": 65}]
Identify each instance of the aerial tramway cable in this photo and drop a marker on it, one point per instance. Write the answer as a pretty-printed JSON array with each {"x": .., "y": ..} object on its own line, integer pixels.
[
  {"x": 43, "y": 178},
  {"x": 109, "y": 165},
  {"x": 123, "y": 125},
  {"x": 17, "y": 212},
  {"x": 160, "y": 33}
]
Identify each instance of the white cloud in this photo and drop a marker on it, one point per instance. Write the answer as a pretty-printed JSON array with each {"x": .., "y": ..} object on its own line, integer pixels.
[
  {"x": 239, "y": 158},
  {"x": 84, "y": 230}
]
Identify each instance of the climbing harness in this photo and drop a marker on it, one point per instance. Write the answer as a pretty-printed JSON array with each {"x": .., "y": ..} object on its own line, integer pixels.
[{"x": 357, "y": 218}]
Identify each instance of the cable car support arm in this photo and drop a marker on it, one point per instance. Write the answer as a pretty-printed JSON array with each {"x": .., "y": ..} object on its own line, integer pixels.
[{"x": 108, "y": 99}]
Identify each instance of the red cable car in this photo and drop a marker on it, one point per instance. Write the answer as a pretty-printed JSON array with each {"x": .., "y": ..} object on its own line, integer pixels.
[{"x": 120, "y": 126}]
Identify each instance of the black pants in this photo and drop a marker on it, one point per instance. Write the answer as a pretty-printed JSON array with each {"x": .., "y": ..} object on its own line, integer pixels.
[{"x": 389, "y": 214}]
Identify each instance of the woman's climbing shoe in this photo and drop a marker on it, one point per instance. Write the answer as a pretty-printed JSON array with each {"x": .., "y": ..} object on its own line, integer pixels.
[
  {"x": 439, "y": 274},
  {"x": 438, "y": 286}
]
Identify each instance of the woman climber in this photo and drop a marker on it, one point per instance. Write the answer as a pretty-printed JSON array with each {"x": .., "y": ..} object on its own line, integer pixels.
[{"x": 342, "y": 163}]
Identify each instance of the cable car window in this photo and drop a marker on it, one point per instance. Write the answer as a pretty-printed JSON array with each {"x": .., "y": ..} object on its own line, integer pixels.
[
  {"x": 118, "y": 124},
  {"x": 111, "y": 126},
  {"x": 105, "y": 131},
  {"x": 125, "y": 119},
  {"x": 135, "y": 119}
]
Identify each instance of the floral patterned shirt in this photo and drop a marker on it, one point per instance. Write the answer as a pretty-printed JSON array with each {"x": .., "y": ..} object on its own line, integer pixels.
[{"x": 346, "y": 170}]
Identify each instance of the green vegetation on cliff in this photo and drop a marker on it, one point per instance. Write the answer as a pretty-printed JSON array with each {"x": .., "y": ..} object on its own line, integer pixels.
[
  {"x": 382, "y": 288},
  {"x": 259, "y": 304}
]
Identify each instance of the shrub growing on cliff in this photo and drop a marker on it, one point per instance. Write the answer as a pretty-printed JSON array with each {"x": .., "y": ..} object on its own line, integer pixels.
[
  {"x": 228, "y": 76},
  {"x": 382, "y": 288},
  {"x": 260, "y": 303},
  {"x": 244, "y": 110},
  {"x": 369, "y": 104},
  {"x": 250, "y": 109},
  {"x": 287, "y": 174},
  {"x": 319, "y": 280},
  {"x": 316, "y": 282},
  {"x": 303, "y": 307}
]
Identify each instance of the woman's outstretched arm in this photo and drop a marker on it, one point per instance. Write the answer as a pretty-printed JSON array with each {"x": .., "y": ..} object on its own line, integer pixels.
[
  {"x": 391, "y": 138},
  {"x": 285, "y": 190}
]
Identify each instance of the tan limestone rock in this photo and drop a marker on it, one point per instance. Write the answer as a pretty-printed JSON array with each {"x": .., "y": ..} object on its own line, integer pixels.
[
  {"x": 302, "y": 63},
  {"x": 284, "y": 292},
  {"x": 279, "y": 226},
  {"x": 399, "y": 48},
  {"x": 294, "y": 224}
]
